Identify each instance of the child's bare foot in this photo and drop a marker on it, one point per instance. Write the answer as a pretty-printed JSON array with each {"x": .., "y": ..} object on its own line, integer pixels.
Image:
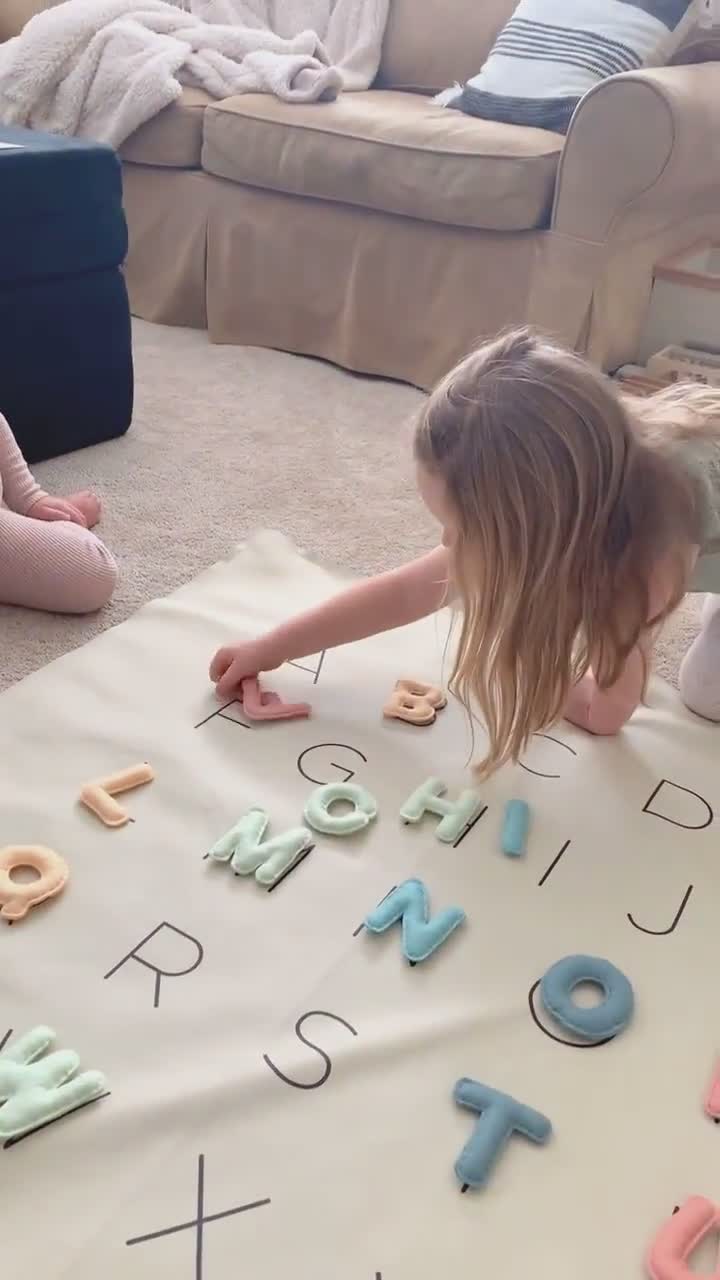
[{"x": 89, "y": 504}]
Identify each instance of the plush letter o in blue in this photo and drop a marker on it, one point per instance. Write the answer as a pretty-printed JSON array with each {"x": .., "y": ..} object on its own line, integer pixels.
[{"x": 605, "y": 1019}]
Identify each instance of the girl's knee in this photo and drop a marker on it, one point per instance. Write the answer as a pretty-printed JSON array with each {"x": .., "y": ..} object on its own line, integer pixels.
[
  {"x": 94, "y": 580},
  {"x": 711, "y": 618},
  {"x": 698, "y": 697},
  {"x": 700, "y": 671}
]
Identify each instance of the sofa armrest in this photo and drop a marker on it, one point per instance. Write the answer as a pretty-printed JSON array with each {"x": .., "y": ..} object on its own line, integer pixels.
[
  {"x": 15, "y": 13},
  {"x": 643, "y": 150}
]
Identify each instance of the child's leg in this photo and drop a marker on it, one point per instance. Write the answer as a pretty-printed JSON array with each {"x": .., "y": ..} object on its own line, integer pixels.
[
  {"x": 700, "y": 670},
  {"x": 57, "y": 566}
]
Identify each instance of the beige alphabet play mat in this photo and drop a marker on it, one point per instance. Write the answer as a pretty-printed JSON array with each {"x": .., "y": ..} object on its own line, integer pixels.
[{"x": 366, "y": 1052}]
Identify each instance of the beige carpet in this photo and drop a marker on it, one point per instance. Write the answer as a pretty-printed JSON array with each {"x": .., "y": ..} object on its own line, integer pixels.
[{"x": 227, "y": 440}]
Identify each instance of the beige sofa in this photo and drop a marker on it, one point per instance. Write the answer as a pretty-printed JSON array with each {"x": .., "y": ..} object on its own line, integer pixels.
[{"x": 388, "y": 235}]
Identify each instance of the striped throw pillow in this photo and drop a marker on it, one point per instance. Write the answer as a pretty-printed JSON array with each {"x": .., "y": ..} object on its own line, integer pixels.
[{"x": 552, "y": 52}]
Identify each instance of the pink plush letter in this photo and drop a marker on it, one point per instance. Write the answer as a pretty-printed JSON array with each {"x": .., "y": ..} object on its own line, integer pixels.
[
  {"x": 668, "y": 1255},
  {"x": 262, "y": 704}
]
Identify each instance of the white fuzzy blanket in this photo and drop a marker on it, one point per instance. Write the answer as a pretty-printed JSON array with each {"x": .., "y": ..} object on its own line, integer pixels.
[{"x": 102, "y": 68}]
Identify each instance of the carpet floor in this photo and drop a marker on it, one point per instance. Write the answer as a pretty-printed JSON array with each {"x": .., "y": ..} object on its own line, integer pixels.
[{"x": 227, "y": 440}]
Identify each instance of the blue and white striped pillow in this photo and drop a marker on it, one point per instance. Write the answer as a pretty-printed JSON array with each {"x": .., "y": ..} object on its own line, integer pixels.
[{"x": 552, "y": 52}]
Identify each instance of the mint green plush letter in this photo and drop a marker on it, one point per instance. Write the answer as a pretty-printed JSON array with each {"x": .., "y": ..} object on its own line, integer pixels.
[
  {"x": 455, "y": 815},
  {"x": 36, "y": 1086},
  {"x": 245, "y": 849}
]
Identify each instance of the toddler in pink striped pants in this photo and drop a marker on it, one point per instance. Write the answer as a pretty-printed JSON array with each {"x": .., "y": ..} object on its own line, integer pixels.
[{"x": 49, "y": 559}]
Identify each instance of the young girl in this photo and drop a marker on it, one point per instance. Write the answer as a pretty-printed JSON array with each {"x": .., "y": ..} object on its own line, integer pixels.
[
  {"x": 48, "y": 558},
  {"x": 573, "y": 518}
]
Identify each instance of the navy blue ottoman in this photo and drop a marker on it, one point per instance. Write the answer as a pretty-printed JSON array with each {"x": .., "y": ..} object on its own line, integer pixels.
[{"x": 66, "y": 373}]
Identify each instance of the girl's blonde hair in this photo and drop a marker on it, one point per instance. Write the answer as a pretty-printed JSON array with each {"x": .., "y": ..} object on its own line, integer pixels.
[{"x": 566, "y": 497}]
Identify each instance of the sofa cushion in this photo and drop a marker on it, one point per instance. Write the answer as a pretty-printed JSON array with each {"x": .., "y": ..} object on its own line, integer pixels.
[
  {"x": 396, "y": 152},
  {"x": 15, "y": 13},
  {"x": 430, "y": 44},
  {"x": 172, "y": 139}
]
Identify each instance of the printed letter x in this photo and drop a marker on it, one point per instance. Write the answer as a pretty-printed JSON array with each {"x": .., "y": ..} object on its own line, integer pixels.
[{"x": 198, "y": 1222}]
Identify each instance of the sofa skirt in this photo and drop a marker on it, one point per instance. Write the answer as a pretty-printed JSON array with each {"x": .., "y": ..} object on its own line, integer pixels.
[{"x": 374, "y": 293}]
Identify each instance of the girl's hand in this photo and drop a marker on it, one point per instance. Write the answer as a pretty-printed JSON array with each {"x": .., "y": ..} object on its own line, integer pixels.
[
  {"x": 235, "y": 663},
  {"x": 57, "y": 509}
]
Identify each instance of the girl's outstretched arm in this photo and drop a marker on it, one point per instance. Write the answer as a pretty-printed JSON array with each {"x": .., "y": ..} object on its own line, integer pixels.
[{"x": 377, "y": 604}]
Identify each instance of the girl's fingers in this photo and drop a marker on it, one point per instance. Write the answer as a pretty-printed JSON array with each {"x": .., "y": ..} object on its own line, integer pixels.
[
  {"x": 76, "y": 515},
  {"x": 219, "y": 664},
  {"x": 230, "y": 681},
  {"x": 56, "y": 509}
]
